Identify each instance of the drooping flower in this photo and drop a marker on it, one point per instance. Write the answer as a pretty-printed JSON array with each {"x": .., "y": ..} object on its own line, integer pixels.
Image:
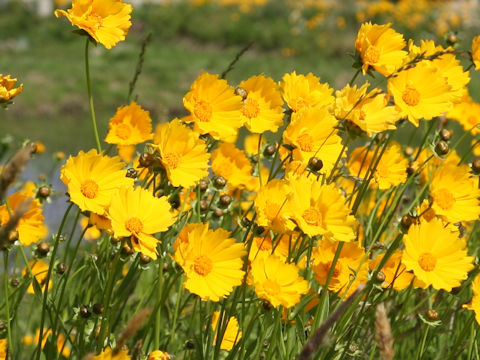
[
  {"x": 476, "y": 52},
  {"x": 369, "y": 111},
  {"x": 436, "y": 255},
  {"x": 232, "y": 332},
  {"x": 262, "y": 109},
  {"x": 305, "y": 91},
  {"x": 92, "y": 179},
  {"x": 475, "y": 304},
  {"x": 313, "y": 134},
  {"x": 211, "y": 259},
  {"x": 183, "y": 154},
  {"x": 159, "y": 355},
  {"x": 137, "y": 214},
  {"x": 455, "y": 194},
  {"x": 320, "y": 209},
  {"x": 30, "y": 227},
  {"x": 273, "y": 209},
  {"x": 396, "y": 275},
  {"x": 39, "y": 271},
  {"x": 420, "y": 92},
  {"x": 7, "y": 89},
  {"x": 131, "y": 125},
  {"x": 109, "y": 354},
  {"x": 214, "y": 107},
  {"x": 277, "y": 282},
  {"x": 381, "y": 47},
  {"x": 351, "y": 268},
  {"x": 107, "y": 21},
  {"x": 232, "y": 164}
]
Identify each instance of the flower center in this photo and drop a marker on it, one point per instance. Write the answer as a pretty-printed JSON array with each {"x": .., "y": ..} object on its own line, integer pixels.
[
  {"x": 251, "y": 108},
  {"x": 372, "y": 55},
  {"x": 94, "y": 20},
  {"x": 123, "y": 131},
  {"x": 411, "y": 96},
  {"x": 301, "y": 103},
  {"x": 203, "y": 111},
  {"x": 444, "y": 198},
  {"x": 305, "y": 142},
  {"x": 271, "y": 287},
  {"x": 172, "y": 160},
  {"x": 202, "y": 265},
  {"x": 89, "y": 189},
  {"x": 312, "y": 216},
  {"x": 427, "y": 261},
  {"x": 134, "y": 225}
]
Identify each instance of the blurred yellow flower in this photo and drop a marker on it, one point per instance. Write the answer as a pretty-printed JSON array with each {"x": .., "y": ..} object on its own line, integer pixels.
[
  {"x": 92, "y": 232},
  {"x": 211, "y": 259},
  {"x": 251, "y": 144},
  {"x": 183, "y": 154},
  {"x": 39, "y": 270},
  {"x": 159, "y": 355},
  {"x": 107, "y": 21},
  {"x": 108, "y": 354},
  {"x": 214, "y": 107},
  {"x": 381, "y": 47},
  {"x": 277, "y": 282},
  {"x": 305, "y": 91},
  {"x": 396, "y": 275},
  {"x": 7, "y": 90},
  {"x": 232, "y": 333},
  {"x": 476, "y": 52},
  {"x": 3, "y": 349},
  {"x": 92, "y": 179},
  {"x": 137, "y": 214},
  {"x": 436, "y": 255},
  {"x": 475, "y": 303}
]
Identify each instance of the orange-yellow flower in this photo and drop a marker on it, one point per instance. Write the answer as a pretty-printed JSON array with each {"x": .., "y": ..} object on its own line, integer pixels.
[
  {"x": 39, "y": 270},
  {"x": 107, "y": 21},
  {"x": 232, "y": 164},
  {"x": 137, "y": 214},
  {"x": 232, "y": 333},
  {"x": 476, "y": 52},
  {"x": 214, "y": 107},
  {"x": 159, "y": 355},
  {"x": 396, "y": 275},
  {"x": 108, "y": 354},
  {"x": 7, "y": 89}
]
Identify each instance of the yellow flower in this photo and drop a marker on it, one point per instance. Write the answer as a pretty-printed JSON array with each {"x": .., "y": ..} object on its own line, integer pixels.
[
  {"x": 251, "y": 144},
  {"x": 320, "y": 209},
  {"x": 39, "y": 147},
  {"x": 108, "y": 354},
  {"x": 305, "y": 91},
  {"x": 277, "y": 282},
  {"x": 214, "y": 107},
  {"x": 232, "y": 164},
  {"x": 211, "y": 259},
  {"x": 273, "y": 209},
  {"x": 3, "y": 349},
  {"x": 420, "y": 92},
  {"x": 369, "y": 111},
  {"x": 159, "y": 355},
  {"x": 381, "y": 47},
  {"x": 467, "y": 113},
  {"x": 436, "y": 255},
  {"x": 262, "y": 109},
  {"x": 351, "y": 268},
  {"x": 183, "y": 154},
  {"x": 137, "y": 214},
  {"x": 7, "y": 90},
  {"x": 476, "y": 51},
  {"x": 92, "y": 232},
  {"x": 447, "y": 65},
  {"x": 39, "y": 270},
  {"x": 455, "y": 194},
  {"x": 92, "y": 180},
  {"x": 232, "y": 333},
  {"x": 107, "y": 21},
  {"x": 475, "y": 304},
  {"x": 396, "y": 275},
  {"x": 30, "y": 226},
  {"x": 264, "y": 246},
  {"x": 34, "y": 340},
  {"x": 130, "y": 125},
  {"x": 391, "y": 169},
  {"x": 313, "y": 134}
]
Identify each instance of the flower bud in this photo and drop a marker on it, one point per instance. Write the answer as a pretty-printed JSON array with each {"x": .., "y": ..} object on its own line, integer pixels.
[
  {"x": 146, "y": 159},
  {"x": 432, "y": 315},
  {"x": 476, "y": 165},
  {"x": 269, "y": 150},
  {"x": 225, "y": 200},
  {"x": 315, "y": 164},
  {"x": 61, "y": 268},
  {"x": 98, "y": 308},
  {"x": 144, "y": 259},
  {"x": 219, "y": 182},
  {"x": 241, "y": 92},
  {"x": 43, "y": 248},
  {"x": 380, "y": 277},
  {"x": 43, "y": 191},
  {"x": 84, "y": 312},
  {"x": 445, "y": 134},
  {"x": 442, "y": 148}
]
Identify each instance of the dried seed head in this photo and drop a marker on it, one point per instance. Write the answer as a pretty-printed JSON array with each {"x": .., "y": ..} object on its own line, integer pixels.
[{"x": 383, "y": 333}]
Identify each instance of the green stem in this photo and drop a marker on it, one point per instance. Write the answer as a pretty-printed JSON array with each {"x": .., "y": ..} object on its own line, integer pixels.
[
  {"x": 47, "y": 279},
  {"x": 90, "y": 97},
  {"x": 7, "y": 305},
  {"x": 158, "y": 318}
]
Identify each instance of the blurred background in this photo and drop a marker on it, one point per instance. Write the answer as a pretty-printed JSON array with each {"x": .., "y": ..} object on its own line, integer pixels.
[{"x": 189, "y": 36}]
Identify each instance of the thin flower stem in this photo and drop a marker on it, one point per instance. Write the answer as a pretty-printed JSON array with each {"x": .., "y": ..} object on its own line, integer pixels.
[
  {"x": 158, "y": 317},
  {"x": 422, "y": 345},
  {"x": 7, "y": 304},
  {"x": 47, "y": 279},
  {"x": 90, "y": 98},
  {"x": 354, "y": 77}
]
